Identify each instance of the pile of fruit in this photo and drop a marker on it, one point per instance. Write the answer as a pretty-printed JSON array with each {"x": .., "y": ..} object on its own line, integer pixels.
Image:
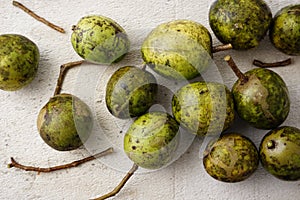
[{"x": 177, "y": 50}]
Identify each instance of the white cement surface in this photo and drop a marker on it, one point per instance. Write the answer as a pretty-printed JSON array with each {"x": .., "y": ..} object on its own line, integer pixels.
[{"x": 183, "y": 179}]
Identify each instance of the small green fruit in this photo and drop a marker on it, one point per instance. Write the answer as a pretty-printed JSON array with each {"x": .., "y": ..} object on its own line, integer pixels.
[
  {"x": 19, "y": 58},
  {"x": 152, "y": 139},
  {"x": 99, "y": 39},
  {"x": 232, "y": 158},
  {"x": 263, "y": 100},
  {"x": 179, "y": 49},
  {"x": 280, "y": 153},
  {"x": 65, "y": 122},
  {"x": 203, "y": 107},
  {"x": 130, "y": 92},
  {"x": 242, "y": 23},
  {"x": 285, "y": 30}
]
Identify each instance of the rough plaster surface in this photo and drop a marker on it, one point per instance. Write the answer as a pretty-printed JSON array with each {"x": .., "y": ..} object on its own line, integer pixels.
[{"x": 183, "y": 179}]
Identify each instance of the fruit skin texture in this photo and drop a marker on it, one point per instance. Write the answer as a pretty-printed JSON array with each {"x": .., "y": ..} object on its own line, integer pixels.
[
  {"x": 130, "y": 92},
  {"x": 152, "y": 139},
  {"x": 99, "y": 39},
  {"x": 263, "y": 101},
  {"x": 280, "y": 153},
  {"x": 285, "y": 30},
  {"x": 19, "y": 58},
  {"x": 65, "y": 122},
  {"x": 179, "y": 49},
  {"x": 243, "y": 23},
  {"x": 203, "y": 108},
  {"x": 232, "y": 158}
]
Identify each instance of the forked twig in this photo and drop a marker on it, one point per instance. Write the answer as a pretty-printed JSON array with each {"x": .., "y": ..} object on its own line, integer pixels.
[
  {"x": 63, "y": 72},
  {"x": 59, "y": 167},
  {"x": 35, "y": 16},
  {"x": 261, "y": 64},
  {"x": 121, "y": 184}
]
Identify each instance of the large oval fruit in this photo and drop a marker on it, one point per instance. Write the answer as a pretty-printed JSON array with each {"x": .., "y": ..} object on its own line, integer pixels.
[
  {"x": 285, "y": 30},
  {"x": 19, "y": 58},
  {"x": 203, "y": 107},
  {"x": 280, "y": 153},
  {"x": 263, "y": 100},
  {"x": 130, "y": 92},
  {"x": 242, "y": 23},
  {"x": 65, "y": 122},
  {"x": 99, "y": 39},
  {"x": 179, "y": 49},
  {"x": 152, "y": 140},
  {"x": 231, "y": 158}
]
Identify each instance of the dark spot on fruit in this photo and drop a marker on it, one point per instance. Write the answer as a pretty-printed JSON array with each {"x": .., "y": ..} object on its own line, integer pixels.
[{"x": 133, "y": 147}]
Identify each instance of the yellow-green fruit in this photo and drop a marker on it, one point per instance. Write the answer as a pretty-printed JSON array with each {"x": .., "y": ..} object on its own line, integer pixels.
[
  {"x": 99, "y": 39},
  {"x": 65, "y": 122},
  {"x": 19, "y": 58},
  {"x": 231, "y": 158},
  {"x": 130, "y": 92},
  {"x": 280, "y": 153},
  {"x": 242, "y": 23},
  {"x": 285, "y": 30},
  {"x": 203, "y": 107},
  {"x": 263, "y": 100},
  {"x": 152, "y": 139},
  {"x": 179, "y": 49}
]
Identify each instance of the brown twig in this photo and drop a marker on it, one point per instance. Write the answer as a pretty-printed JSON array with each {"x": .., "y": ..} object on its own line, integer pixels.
[
  {"x": 121, "y": 184},
  {"x": 235, "y": 69},
  {"x": 63, "y": 72},
  {"x": 261, "y": 64},
  {"x": 59, "y": 167},
  {"x": 222, "y": 47},
  {"x": 35, "y": 16}
]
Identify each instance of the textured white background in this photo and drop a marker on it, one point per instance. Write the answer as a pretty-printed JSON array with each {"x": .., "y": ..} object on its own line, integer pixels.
[{"x": 185, "y": 178}]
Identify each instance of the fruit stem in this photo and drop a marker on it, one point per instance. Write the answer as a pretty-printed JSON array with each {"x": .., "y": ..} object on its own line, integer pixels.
[
  {"x": 222, "y": 47},
  {"x": 235, "y": 69},
  {"x": 121, "y": 184},
  {"x": 35, "y": 16},
  {"x": 59, "y": 167},
  {"x": 63, "y": 72},
  {"x": 261, "y": 64}
]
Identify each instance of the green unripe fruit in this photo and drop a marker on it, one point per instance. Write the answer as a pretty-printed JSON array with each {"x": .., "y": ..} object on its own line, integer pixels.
[
  {"x": 179, "y": 49},
  {"x": 263, "y": 100},
  {"x": 152, "y": 139},
  {"x": 19, "y": 59},
  {"x": 130, "y": 92},
  {"x": 280, "y": 153},
  {"x": 285, "y": 30},
  {"x": 99, "y": 39},
  {"x": 242, "y": 23},
  {"x": 65, "y": 122},
  {"x": 203, "y": 108},
  {"x": 232, "y": 158}
]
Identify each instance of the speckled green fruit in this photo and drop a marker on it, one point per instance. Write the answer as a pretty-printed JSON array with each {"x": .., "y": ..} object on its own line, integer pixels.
[
  {"x": 231, "y": 158},
  {"x": 130, "y": 92},
  {"x": 203, "y": 108},
  {"x": 243, "y": 23},
  {"x": 280, "y": 153},
  {"x": 99, "y": 39},
  {"x": 179, "y": 49},
  {"x": 152, "y": 139},
  {"x": 65, "y": 122},
  {"x": 285, "y": 30},
  {"x": 19, "y": 58},
  {"x": 263, "y": 101}
]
